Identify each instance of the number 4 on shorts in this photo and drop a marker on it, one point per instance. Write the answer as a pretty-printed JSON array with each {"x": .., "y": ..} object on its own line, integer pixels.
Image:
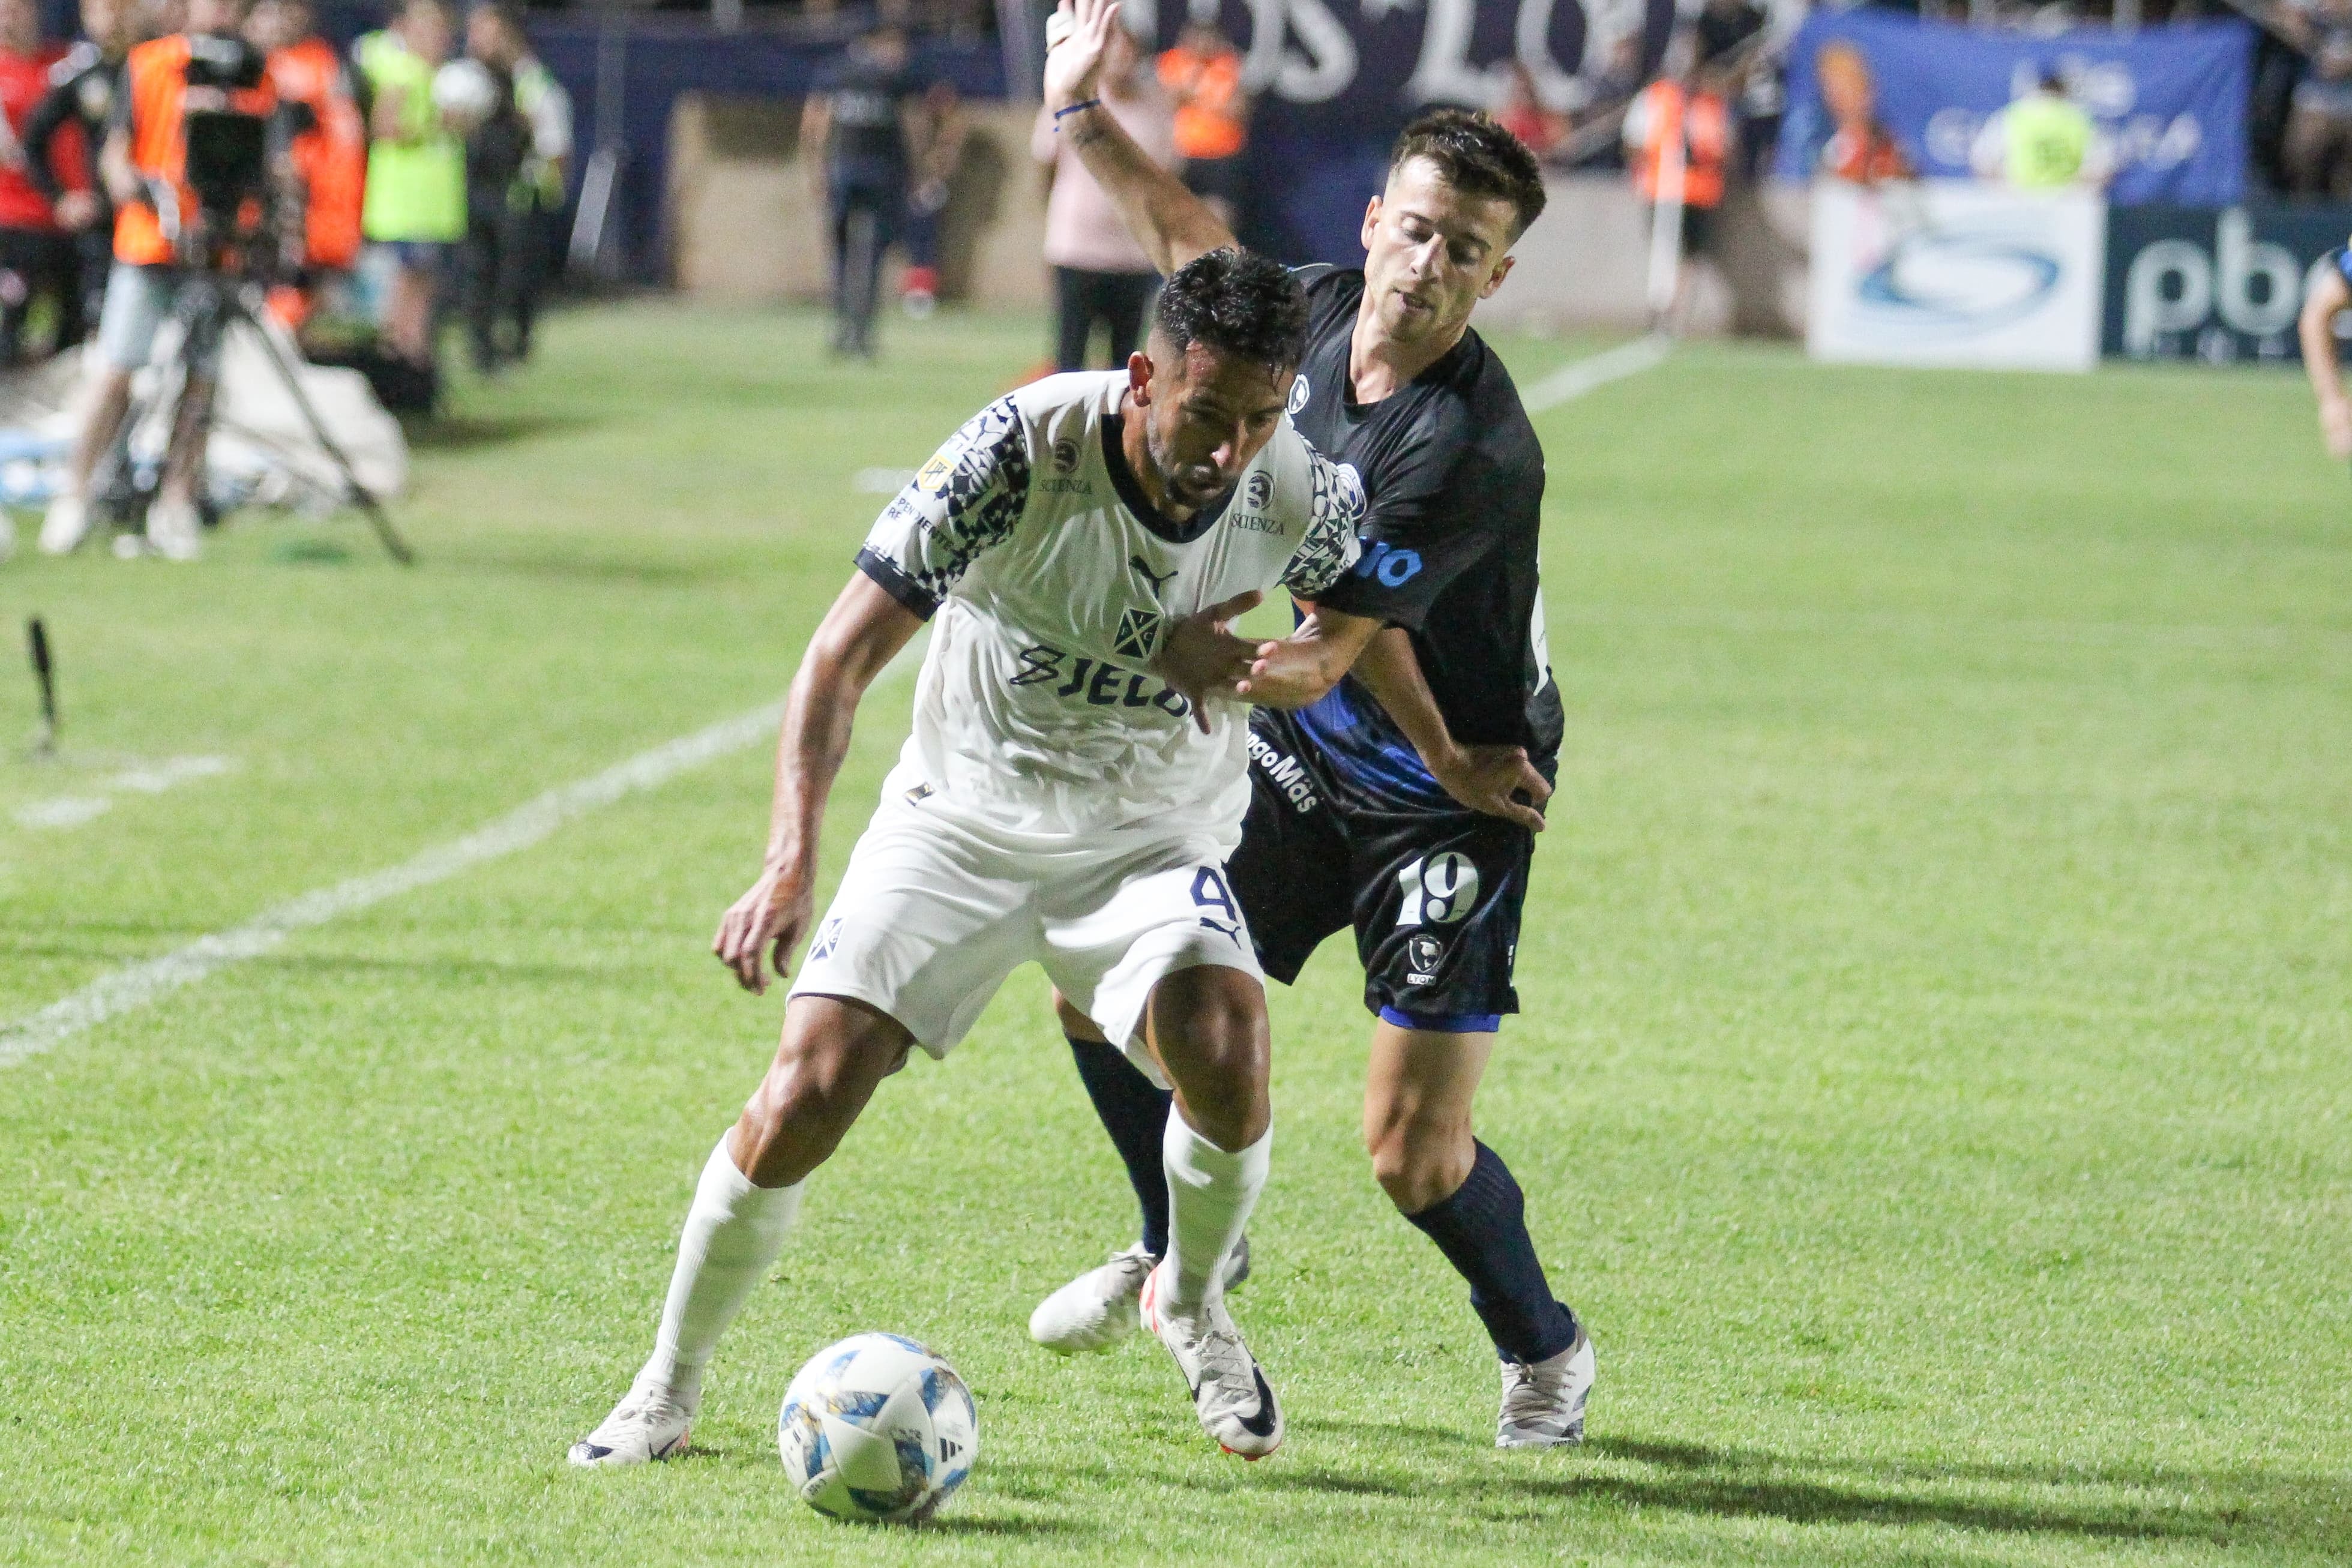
[{"x": 1209, "y": 890}]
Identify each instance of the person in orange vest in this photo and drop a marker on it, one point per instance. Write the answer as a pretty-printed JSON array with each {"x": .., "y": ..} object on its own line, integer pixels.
[
  {"x": 36, "y": 257},
  {"x": 161, "y": 236},
  {"x": 329, "y": 157},
  {"x": 1202, "y": 74},
  {"x": 1678, "y": 144}
]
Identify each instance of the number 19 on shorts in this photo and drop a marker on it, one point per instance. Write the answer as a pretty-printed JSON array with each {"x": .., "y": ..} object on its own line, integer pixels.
[{"x": 1438, "y": 889}]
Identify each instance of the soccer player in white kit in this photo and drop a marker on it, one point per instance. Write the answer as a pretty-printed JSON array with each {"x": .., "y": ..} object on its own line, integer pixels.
[{"x": 1076, "y": 777}]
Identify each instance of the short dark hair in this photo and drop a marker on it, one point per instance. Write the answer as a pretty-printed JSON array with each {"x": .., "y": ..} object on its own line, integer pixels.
[
  {"x": 1478, "y": 158},
  {"x": 1237, "y": 302}
]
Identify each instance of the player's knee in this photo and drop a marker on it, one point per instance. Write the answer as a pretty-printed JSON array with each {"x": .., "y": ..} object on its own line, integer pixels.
[{"x": 1420, "y": 1164}]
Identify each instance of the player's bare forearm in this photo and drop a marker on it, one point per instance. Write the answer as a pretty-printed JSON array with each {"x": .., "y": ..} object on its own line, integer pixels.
[
  {"x": 1171, "y": 224},
  {"x": 2316, "y": 328},
  {"x": 863, "y": 630},
  {"x": 1298, "y": 669},
  {"x": 1497, "y": 781},
  {"x": 859, "y": 635}
]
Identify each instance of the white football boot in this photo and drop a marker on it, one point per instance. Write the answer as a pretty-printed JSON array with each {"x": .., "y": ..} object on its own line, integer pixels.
[
  {"x": 1098, "y": 1309},
  {"x": 1230, "y": 1393},
  {"x": 66, "y": 524},
  {"x": 174, "y": 531},
  {"x": 648, "y": 1424},
  {"x": 1543, "y": 1402}
]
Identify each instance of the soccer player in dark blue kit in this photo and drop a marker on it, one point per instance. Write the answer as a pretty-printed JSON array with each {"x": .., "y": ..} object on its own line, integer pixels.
[
  {"x": 1405, "y": 802},
  {"x": 854, "y": 136}
]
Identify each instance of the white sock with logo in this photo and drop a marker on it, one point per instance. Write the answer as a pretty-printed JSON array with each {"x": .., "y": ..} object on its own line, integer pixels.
[
  {"x": 1211, "y": 1191},
  {"x": 733, "y": 1233}
]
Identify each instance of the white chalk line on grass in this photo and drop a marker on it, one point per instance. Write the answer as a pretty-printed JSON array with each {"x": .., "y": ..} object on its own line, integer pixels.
[
  {"x": 135, "y": 986},
  {"x": 145, "y": 778},
  {"x": 1574, "y": 379}
]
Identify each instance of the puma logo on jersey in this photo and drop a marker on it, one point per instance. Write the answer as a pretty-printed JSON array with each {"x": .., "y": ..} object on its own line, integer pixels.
[{"x": 1158, "y": 580}]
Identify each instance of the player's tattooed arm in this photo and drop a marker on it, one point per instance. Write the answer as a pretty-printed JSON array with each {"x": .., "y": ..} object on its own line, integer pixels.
[
  {"x": 860, "y": 634},
  {"x": 1495, "y": 780},
  {"x": 1171, "y": 224}
]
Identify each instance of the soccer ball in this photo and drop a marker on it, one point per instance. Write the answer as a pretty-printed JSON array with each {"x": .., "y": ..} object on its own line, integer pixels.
[
  {"x": 876, "y": 1428},
  {"x": 466, "y": 94}
]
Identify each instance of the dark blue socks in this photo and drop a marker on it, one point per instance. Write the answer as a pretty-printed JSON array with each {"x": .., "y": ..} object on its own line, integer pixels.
[
  {"x": 1483, "y": 1231},
  {"x": 1134, "y": 1112}
]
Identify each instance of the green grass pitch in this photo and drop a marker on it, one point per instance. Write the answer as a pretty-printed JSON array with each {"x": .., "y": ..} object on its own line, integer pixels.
[{"x": 1935, "y": 1086}]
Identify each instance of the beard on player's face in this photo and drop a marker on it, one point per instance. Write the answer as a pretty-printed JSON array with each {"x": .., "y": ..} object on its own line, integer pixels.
[
  {"x": 1211, "y": 413},
  {"x": 1432, "y": 253}
]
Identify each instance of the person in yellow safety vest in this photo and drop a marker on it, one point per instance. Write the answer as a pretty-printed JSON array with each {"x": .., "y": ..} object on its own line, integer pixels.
[
  {"x": 1677, "y": 136},
  {"x": 2043, "y": 141}
]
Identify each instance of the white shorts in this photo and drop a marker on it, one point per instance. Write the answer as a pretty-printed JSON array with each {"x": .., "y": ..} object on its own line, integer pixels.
[{"x": 932, "y": 915}]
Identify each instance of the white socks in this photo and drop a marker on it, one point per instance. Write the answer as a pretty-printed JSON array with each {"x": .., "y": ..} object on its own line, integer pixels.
[
  {"x": 733, "y": 1233},
  {"x": 1210, "y": 1196}
]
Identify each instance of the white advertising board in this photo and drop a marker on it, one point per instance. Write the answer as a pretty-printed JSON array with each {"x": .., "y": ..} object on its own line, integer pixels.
[{"x": 1947, "y": 272}]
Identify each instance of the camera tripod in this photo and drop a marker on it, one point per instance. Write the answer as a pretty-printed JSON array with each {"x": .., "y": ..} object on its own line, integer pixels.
[{"x": 210, "y": 302}]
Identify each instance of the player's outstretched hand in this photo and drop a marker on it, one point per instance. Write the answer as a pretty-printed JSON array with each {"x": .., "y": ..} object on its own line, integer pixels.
[
  {"x": 2336, "y": 427},
  {"x": 765, "y": 923},
  {"x": 1076, "y": 35},
  {"x": 1490, "y": 780},
  {"x": 1202, "y": 658}
]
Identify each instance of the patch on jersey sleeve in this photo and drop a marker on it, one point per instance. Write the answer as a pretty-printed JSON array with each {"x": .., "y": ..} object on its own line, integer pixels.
[
  {"x": 969, "y": 496},
  {"x": 1330, "y": 547}
]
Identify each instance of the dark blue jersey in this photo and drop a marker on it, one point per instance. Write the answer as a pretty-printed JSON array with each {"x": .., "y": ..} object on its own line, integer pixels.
[{"x": 1453, "y": 478}]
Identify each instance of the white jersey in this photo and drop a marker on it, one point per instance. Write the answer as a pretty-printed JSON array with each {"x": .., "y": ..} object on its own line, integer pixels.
[{"x": 1052, "y": 581}]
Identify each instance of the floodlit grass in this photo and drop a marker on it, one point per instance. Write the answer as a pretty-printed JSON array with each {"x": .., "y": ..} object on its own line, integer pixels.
[{"x": 1936, "y": 1086}]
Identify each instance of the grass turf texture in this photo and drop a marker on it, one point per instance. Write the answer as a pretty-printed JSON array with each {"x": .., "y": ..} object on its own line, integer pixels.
[{"x": 1932, "y": 1087}]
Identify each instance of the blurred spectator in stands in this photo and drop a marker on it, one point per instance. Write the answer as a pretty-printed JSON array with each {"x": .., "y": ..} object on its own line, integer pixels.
[
  {"x": 2317, "y": 154},
  {"x": 1860, "y": 149},
  {"x": 1202, "y": 76},
  {"x": 1100, "y": 272},
  {"x": 61, "y": 141},
  {"x": 2043, "y": 141},
  {"x": 497, "y": 203},
  {"x": 856, "y": 142},
  {"x": 1731, "y": 37},
  {"x": 330, "y": 156},
  {"x": 1523, "y": 114},
  {"x": 1593, "y": 141},
  {"x": 414, "y": 203},
  {"x": 1677, "y": 137},
  {"x": 547, "y": 107},
  {"x": 938, "y": 133},
  {"x": 36, "y": 257}
]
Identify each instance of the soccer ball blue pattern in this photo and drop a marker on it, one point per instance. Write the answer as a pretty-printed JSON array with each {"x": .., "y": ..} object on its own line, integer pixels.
[{"x": 876, "y": 1428}]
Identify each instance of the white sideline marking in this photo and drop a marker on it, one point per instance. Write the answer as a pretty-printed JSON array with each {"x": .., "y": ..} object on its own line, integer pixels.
[
  {"x": 1573, "y": 381},
  {"x": 62, "y": 811},
  {"x": 135, "y": 985},
  {"x": 881, "y": 481},
  {"x": 147, "y": 778}
]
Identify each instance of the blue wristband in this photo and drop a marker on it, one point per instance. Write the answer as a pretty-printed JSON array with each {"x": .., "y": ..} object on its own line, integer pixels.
[{"x": 1060, "y": 114}]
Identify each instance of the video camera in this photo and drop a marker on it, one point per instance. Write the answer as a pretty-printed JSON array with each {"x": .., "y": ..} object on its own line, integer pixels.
[{"x": 227, "y": 151}]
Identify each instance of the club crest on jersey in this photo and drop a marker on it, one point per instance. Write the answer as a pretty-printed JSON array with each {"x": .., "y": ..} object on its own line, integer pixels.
[
  {"x": 1425, "y": 952},
  {"x": 826, "y": 940},
  {"x": 932, "y": 477},
  {"x": 1138, "y": 631},
  {"x": 1298, "y": 394}
]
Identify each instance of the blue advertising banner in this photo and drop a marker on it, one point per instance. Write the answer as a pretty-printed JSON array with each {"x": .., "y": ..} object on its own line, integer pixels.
[
  {"x": 1336, "y": 80},
  {"x": 2170, "y": 100}
]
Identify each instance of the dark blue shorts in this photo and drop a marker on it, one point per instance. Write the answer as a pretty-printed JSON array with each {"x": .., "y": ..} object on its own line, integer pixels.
[{"x": 1434, "y": 895}]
